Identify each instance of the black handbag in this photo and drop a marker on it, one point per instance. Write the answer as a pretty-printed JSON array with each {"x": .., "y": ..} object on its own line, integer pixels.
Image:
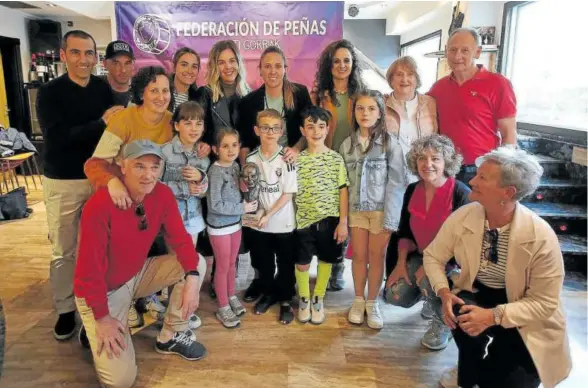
[{"x": 13, "y": 205}]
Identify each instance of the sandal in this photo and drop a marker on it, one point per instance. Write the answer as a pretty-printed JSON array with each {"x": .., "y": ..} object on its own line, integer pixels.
[{"x": 286, "y": 314}]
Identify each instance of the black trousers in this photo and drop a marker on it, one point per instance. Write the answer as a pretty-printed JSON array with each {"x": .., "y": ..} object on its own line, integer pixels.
[
  {"x": 269, "y": 251},
  {"x": 498, "y": 357}
]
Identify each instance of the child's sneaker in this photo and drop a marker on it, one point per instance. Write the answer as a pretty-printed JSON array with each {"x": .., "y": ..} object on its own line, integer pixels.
[
  {"x": 227, "y": 317},
  {"x": 303, "y": 310},
  {"x": 318, "y": 310},
  {"x": 194, "y": 322},
  {"x": 236, "y": 306},
  {"x": 374, "y": 316},
  {"x": 155, "y": 307},
  {"x": 357, "y": 311}
]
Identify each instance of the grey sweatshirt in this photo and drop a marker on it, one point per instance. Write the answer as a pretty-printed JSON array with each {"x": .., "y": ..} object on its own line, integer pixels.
[{"x": 225, "y": 203}]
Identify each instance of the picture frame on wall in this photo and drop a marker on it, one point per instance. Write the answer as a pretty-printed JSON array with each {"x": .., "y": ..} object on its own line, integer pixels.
[{"x": 488, "y": 35}]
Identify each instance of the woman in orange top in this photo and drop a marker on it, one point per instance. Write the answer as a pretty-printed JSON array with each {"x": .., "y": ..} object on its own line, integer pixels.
[
  {"x": 149, "y": 119},
  {"x": 338, "y": 79}
]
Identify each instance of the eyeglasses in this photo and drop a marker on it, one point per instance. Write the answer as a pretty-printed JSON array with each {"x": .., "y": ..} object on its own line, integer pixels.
[
  {"x": 266, "y": 129},
  {"x": 140, "y": 212},
  {"x": 491, "y": 253}
]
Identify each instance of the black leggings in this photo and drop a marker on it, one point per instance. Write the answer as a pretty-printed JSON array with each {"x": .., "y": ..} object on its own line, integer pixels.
[{"x": 504, "y": 362}]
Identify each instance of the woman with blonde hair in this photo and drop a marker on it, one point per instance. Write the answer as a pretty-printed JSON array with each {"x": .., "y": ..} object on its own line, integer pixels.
[
  {"x": 225, "y": 85},
  {"x": 281, "y": 94}
]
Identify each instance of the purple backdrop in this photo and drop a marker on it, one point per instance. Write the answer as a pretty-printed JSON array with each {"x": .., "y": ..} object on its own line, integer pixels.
[{"x": 301, "y": 29}]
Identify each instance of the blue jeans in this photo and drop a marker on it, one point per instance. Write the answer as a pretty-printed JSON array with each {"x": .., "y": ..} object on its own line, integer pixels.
[{"x": 405, "y": 295}]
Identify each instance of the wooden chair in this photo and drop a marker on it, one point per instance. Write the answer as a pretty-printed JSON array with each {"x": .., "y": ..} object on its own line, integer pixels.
[{"x": 8, "y": 166}]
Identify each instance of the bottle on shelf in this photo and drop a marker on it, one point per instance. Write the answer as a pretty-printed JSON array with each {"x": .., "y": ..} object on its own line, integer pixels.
[
  {"x": 33, "y": 76},
  {"x": 41, "y": 67}
]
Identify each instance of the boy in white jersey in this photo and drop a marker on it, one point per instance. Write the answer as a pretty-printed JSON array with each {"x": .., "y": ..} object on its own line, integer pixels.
[{"x": 272, "y": 240}]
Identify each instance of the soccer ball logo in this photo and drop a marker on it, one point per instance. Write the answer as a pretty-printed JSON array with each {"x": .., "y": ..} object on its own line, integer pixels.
[{"x": 151, "y": 34}]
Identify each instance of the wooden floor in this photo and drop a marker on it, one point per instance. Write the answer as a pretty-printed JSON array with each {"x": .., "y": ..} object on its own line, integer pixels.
[{"x": 261, "y": 353}]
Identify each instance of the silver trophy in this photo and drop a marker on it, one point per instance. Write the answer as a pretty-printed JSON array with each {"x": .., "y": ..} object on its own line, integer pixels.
[{"x": 250, "y": 177}]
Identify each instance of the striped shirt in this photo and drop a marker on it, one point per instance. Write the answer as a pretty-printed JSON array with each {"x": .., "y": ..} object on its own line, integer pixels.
[
  {"x": 493, "y": 274},
  {"x": 179, "y": 98}
]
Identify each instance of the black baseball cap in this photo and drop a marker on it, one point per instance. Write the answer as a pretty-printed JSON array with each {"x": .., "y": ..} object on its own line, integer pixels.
[{"x": 118, "y": 47}]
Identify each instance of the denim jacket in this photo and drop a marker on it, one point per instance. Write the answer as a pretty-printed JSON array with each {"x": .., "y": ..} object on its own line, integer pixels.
[
  {"x": 377, "y": 179},
  {"x": 176, "y": 158}
]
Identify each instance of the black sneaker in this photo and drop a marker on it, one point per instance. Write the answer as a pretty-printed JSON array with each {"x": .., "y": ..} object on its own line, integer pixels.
[
  {"x": 65, "y": 327},
  {"x": 264, "y": 304},
  {"x": 83, "y": 338},
  {"x": 253, "y": 292},
  {"x": 183, "y": 344}
]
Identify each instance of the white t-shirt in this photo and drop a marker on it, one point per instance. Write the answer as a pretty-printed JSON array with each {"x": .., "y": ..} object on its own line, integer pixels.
[{"x": 275, "y": 178}]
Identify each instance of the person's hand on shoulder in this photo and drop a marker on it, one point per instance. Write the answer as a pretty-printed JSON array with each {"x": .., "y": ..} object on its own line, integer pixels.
[{"x": 119, "y": 194}]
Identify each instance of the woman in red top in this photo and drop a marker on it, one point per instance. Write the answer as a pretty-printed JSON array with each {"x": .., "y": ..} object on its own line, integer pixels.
[{"x": 427, "y": 204}]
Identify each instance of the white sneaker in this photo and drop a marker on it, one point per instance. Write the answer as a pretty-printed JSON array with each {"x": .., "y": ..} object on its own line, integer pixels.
[
  {"x": 155, "y": 307},
  {"x": 357, "y": 311},
  {"x": 318, "y": 310},
  {"x": 236, "y": 306},
  {"x": 303, "y": 310},
  {"x": 194, "y": 322},
  {"x": 134, "y": 319},
  {"x": 227, "y": 317},
  {"x": 374, "y": 316},
  {"x": 449, "y": 378}
]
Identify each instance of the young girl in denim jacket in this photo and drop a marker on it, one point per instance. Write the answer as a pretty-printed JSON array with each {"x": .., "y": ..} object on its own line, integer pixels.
[
  {"x": 185, "y": 173},
  {"x": 223, "y": 221},
  {"x": 378, "y": 180}
]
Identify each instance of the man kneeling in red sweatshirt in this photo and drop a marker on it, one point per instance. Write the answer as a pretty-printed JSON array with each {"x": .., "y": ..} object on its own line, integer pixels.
[{"x": 113, "y": 269}]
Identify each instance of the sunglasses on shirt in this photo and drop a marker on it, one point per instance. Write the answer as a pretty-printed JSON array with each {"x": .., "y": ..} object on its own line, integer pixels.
[
  {"x": 140, "y": 212},
  {"x": 491, "y": 253}
]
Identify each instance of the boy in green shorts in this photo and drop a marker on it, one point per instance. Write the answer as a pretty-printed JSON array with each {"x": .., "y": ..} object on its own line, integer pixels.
[{"x": 321, "y": 215}]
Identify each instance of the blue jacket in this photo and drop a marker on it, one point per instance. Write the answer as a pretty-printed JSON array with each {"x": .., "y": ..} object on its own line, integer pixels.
[
  {"x": 176, "y": 158},
  {"x": 377, "y": 179}
]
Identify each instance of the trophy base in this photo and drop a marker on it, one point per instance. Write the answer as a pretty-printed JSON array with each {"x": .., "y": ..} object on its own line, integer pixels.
[{"x": 251, "y": 219}]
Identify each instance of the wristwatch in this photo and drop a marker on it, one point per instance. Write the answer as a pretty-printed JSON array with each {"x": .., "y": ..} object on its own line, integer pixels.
[
  {"x": 195, "y": 273},
  {"x": 498, "y": 312}
]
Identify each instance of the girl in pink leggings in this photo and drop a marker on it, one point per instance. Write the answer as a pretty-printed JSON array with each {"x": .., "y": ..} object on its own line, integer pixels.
[{"x": 225, "y": 208}]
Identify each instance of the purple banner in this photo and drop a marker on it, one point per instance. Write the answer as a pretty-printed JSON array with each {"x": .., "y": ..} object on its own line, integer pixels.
[{"x": 301, "y": 29}]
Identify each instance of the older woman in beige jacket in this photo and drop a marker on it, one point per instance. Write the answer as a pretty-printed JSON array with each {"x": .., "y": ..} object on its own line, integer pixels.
[
  {"x": 409, "y": 114},
  {"x": 504, "y": 308}
]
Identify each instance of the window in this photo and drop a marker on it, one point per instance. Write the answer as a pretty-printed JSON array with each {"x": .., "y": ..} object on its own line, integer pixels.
[
  {"x": 546, "y": 60},
  {"x": 427, "y": 66}
]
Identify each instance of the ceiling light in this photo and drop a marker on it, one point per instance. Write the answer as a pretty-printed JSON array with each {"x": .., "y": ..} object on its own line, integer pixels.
[{"x": 51, "y": 5}]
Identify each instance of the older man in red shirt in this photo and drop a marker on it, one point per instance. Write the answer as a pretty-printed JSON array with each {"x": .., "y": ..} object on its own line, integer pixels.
[
  {"x": 113, "y": 268},
  {"x": 476, "y": 108}
]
